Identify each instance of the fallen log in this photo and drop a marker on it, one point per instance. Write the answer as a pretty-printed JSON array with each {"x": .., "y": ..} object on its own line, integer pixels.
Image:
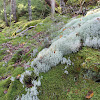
[{"x": 26, "y": 30}]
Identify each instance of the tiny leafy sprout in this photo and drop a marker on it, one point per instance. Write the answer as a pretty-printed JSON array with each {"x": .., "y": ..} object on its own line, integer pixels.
[{"x": 27, "y": 80}]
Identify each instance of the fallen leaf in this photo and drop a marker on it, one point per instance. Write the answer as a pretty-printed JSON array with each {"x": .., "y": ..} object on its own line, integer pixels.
[
  {"x": 76, "y": 92},
  {"x": 68, "y": 90},
  {"x": 18, "y": 76},
  {"x": 60, "y": 36},
  {"x": 64, "y": 29},
  {"x": 89, "y": 95}
]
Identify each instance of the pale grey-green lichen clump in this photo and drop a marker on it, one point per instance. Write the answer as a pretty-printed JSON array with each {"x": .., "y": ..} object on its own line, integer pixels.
[{"x": 81, "y": 31}]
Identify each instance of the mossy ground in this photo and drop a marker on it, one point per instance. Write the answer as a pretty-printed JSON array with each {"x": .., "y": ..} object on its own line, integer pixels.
[
  {"x": 15, "y": 51},
  {"x": 56, "y": 85}
]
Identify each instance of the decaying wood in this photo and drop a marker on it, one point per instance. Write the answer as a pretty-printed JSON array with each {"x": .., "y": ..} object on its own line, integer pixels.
[{"x": 26, "y": 30}]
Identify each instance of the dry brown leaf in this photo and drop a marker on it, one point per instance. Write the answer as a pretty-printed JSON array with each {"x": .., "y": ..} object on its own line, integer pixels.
[
  {"x": 89, "y": 95},
  {"x": 60, "y": 36},
  {"x": 18, "y": 76},
  {"x": 64, "y": 29}
]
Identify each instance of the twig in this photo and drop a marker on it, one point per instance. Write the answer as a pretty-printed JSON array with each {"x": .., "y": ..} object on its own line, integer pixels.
[{"x": 27, "y": 29}]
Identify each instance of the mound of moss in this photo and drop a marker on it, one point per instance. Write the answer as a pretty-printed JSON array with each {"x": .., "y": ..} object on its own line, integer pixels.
[{"x": 57, "y": 85}]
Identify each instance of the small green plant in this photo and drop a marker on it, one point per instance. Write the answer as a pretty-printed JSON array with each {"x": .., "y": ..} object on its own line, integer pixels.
[{"x": 29, "y": 78}]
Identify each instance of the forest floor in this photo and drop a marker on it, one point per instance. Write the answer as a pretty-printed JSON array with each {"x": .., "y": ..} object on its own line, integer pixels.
[{"x": 16, "y": 50}]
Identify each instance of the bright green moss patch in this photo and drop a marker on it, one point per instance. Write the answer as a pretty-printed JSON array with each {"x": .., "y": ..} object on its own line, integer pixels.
[
  {"x": 2, "y": 70},
  {"x": 92, "y": 58},
  {"x": 4, "y": 85},
  {"x": 50, "y": 26},
  {"x": 2, "y": 24},
  {"x": 5, "y": 68},
  {"x": 31, "y": 23},
  {"x": 56, "y": 85},
  {"x": 18, "y": 56},
  {"x": 15, "y": 89},
  {"x": 2, "y": 38},
  {"x": 86, "y": 58}
]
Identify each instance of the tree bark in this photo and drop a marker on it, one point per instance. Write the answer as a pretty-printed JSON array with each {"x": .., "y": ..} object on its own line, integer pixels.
[
  {"x": 29, "y": 10},
  {"x": 49, "y": 3},
  {"x": 52, "y": 8},
  {"x": 13, "y": 9},
  {"x": 5, "y": 15}
]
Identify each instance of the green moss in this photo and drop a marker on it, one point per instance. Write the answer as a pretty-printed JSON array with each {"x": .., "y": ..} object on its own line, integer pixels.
[
  {"x": 43, "y": 26},
  {"x": 4, "y": 85},
  {"x": 7, "y": 83},
  {"x": 2, "y": 24},
  {"x": 31, "y": 23},
  {"x": 47, "y": 23},
  {"x": 86, "y": 58},
  {"x": 5, "y": 69},
  {"x": 2, "y": 71},
  {"x": 18, "y": 56},
  {"x": 92, "y": 58},
  {"x": 15, "y": 89},
  {"x": 56, "y": 85},
  {"x": 20, "y": 23},
  {"x": 27, "y": 56},
  {"x": 30, "y": 69},
  {"x": 18, "y": 70},
  {"x": 2, "y": 38}
]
